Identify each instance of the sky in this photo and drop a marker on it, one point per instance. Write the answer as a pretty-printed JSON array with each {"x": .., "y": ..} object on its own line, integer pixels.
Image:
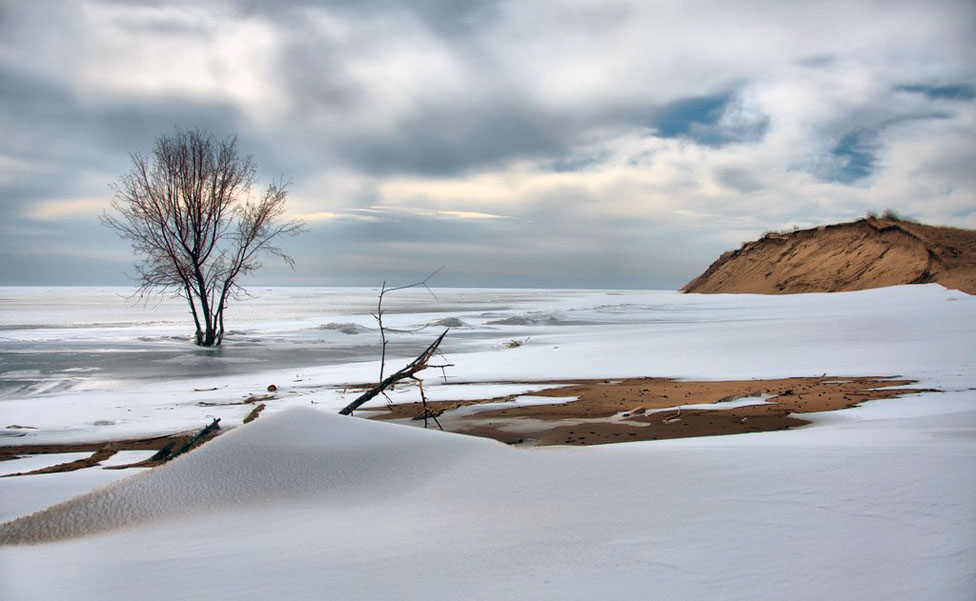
[{"x": 518, "y": 144}]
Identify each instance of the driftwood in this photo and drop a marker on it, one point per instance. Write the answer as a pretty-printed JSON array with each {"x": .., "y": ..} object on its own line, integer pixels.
[
  {"x": 408, "y": 372},
  {"x": 175, "y": 449},
  {"x": 253, "y": 415},
  {"x": 96, "y": 458}
]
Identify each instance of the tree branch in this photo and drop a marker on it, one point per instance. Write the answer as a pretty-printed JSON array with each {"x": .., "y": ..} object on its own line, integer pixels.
[{"x": 417, "y": 365}]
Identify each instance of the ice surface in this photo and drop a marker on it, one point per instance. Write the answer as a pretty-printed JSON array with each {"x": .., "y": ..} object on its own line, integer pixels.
[
  {"x": 921, "y": 332},
  {"x": 874, "y": 502}
]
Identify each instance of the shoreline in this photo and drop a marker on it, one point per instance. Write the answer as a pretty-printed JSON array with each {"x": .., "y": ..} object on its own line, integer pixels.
[
  {"x": 585, "y": 412},
  {"x": 636, "y": 409}
]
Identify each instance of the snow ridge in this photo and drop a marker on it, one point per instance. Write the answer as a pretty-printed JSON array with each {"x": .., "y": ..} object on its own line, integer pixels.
[{"x": 291, "y": 455}]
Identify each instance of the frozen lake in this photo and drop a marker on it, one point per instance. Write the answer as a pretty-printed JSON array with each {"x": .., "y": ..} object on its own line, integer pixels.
[
  {"x": 57, "y": 339},
  {"x": 54, "y": 339}
]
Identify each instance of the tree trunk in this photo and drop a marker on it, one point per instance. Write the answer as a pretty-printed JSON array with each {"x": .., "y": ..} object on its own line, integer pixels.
[{"x": 209, "y": 335}]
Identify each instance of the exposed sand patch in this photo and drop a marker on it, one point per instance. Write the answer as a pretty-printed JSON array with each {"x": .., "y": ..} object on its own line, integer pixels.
[
  {"x": 607, "y": 411},
  {"x": 581, "y": 412}
]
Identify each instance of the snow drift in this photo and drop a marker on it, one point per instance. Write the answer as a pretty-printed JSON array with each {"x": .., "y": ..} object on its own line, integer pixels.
[{"x": 292, "y": 455}]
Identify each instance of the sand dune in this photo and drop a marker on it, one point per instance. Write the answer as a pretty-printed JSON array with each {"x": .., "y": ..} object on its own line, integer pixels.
[{"x": 868, "y": 253}]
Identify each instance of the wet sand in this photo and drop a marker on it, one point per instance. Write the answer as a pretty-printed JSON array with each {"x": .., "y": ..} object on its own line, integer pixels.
[
  {"x": 586, "y": 412},
  {"x": 610, "y": 411}
]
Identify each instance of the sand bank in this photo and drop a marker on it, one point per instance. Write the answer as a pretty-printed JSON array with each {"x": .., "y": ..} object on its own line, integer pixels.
[
  {"x": 589, "y": 412},
  {"x": 609, "y": 411}
]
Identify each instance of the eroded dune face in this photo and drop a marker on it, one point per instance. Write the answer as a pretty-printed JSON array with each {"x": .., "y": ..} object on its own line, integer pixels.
[
  {"x": 295, "y": 455},
  {"x": 870, "y": 253}
]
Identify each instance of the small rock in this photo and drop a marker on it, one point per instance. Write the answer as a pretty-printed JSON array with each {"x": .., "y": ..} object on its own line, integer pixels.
[{"x": 272, "y": 388}]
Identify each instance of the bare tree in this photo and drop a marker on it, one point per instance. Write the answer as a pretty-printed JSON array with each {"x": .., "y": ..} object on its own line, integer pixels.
[
  {"x": 410, "y": 371},
  {"x": 188, "y": 213}
]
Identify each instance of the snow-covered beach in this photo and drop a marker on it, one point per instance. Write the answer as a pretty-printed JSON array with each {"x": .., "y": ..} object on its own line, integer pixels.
[{"x": 878, "y": 501}]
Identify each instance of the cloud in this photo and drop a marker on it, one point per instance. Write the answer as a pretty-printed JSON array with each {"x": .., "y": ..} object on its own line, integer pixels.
[
  {"x": 55, "y": 210},
  {"x": 856, "y": 154},
  {"x": 941, "y": 92},
  {"x": 469, "y": 215},
  {"x": 329, "y": 216},
  {"x": 584, "y": 142},
  {"x": 377, "y": 213}
]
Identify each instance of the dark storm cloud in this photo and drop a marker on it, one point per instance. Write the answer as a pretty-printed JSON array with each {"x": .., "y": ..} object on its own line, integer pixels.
[
  {"x": 451, "y": 140},
  {"x": 62, "y": 270},
  {"x": 543, "y": 248},
  {"x": 942, "y": 92},
  {"x": 49, "y": 129},
  {"x": 818, "y": 61},
  {"x": 447, "y": 17},
  {"x": 402, "y": 226},
  {"x": 438, "y": 134},
  {"x": 36, "y": 109},
  {"x": 740, "y": 180},
  {"x": 69, "y": 251}
]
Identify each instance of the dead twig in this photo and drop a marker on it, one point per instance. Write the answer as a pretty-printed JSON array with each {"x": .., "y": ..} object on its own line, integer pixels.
[
  {"x": 378, "y": 316},
  {"x": 408, "y": 372},
  {"x": 427, "y": 414}
]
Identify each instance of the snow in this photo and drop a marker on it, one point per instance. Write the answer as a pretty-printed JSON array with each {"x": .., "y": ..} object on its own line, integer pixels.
[
  {"x": 23, "y": 495},
  {"x": 360, "y": 509},
  {"x": 733, "y": 404},
  {"x": 126, "y": 458},
  {"x": 30, "y": 463},
  {"x": 874, "y": 502},
  {"x": 519, "y": 401}
]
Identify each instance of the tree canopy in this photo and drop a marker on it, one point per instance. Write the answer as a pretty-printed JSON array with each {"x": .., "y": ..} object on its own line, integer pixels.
[{"x": 188, "y": 212}]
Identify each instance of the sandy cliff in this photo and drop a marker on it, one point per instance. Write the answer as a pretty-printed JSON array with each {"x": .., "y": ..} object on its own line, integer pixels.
[{"x": 868, "y": 253}]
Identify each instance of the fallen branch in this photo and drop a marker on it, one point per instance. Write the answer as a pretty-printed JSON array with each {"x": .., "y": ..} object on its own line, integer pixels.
[
  {"x": 253, "y": 415},
  {"x": 96, "y": 458},
  {"x": 175, "y": 449},
  {"x": 417, "y": 365}
]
